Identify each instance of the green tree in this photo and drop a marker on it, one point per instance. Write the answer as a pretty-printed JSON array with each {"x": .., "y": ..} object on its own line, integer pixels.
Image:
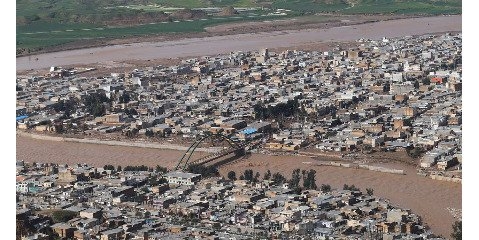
[
  {"x": 248, "y": 174},
  {"x": 232, "y": 175},
  {"x": 149, "y": 133},
  {"x": 267, "y": 175},
  {"x": 350, "y": 188},
  {"x": 278, "y": 178},
  {"x": 325, "y": 188},
  {"x": 370, "y": 191},
  {"x": 457, "y": 230},
  {"x": 415, "y": 152},
  {"x": 256, "y": 177},
  {"x": 109, "y": 167},
  {"x": 205, "y": 171},
  {"x": 160, "y": 169},
  {"x": 295, "y": 179},
  {"x": 309, "y": 181},
  {"x": 95, "y": 103},
  {"x": 153, "y": 181},
  {"x": 63, "y": 216}
]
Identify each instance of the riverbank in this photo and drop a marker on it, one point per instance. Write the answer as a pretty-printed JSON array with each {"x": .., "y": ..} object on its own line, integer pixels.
[{"x": 140, "y": 144}]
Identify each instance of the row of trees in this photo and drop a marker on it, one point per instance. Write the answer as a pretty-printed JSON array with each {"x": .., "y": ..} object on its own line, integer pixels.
[
  {"x": 205, "y": 171},
  {"x": 308, "y": 180},
  {"x": 308, "y": 177}
]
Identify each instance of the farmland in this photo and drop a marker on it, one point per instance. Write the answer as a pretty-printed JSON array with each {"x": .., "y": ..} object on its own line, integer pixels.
[
  {"x": 39, "y": 35},
  {"x": 43, "y": 25}
]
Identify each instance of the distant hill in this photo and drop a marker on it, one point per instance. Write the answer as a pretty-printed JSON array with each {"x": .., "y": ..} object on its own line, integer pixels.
[{"x": 97, "y": 11}]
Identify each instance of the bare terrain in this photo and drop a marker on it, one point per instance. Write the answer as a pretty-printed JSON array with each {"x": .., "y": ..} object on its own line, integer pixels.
[
  {"x": 431, "y": 199},
  {"x": 240, "y": 42}
]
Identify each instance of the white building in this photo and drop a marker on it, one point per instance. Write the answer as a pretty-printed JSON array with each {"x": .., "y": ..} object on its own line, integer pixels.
[{"x": 182, "y": 178}]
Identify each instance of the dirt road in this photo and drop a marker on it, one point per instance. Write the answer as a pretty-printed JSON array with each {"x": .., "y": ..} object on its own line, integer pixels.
[
  {"x": 241, "y": 42},
  {"x": 426, "y": 197}
]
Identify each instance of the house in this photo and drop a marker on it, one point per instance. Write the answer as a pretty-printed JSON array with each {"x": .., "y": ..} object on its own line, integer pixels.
[
  {"x": 91, "y": 213},
  {"x": 446, "y": 163},
  {"x": 63, "y": 230},
  {"x": 182, "y": 178},
  {"x": 66, "y": 177},
  {"x": 437, "y": 80},
  {"x": 113, "y": 234},
  {"x": 36, "y": 236}
]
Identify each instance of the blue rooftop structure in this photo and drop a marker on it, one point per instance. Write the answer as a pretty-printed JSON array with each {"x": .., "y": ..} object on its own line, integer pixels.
[
  {"x": 248, "y": 131},
  {"x": 21, "y": 117}
]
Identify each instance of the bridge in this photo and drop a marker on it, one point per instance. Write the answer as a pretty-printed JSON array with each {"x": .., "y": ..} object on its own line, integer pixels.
[{"x": 236, "y": 148}]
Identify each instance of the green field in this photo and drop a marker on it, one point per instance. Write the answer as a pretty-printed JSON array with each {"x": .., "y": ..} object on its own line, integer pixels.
[
  {"x": 43, "y": 35},
  {"x": 427, "y": 7},
  {"x": 44, "y": 23}
]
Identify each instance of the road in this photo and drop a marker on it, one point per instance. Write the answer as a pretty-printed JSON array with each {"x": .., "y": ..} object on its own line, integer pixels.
[{"x": 241, "y": 42}]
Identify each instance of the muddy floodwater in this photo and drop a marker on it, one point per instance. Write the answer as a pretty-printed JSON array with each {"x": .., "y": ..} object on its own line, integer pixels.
[
  {"x": 241, "y": 42},
  {"x": 426, "y": 197}
]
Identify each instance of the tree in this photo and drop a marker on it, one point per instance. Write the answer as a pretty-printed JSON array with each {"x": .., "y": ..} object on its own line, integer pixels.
[
  {"x": 118, "y": 169},
  {"x": 149, "y": 133},
  {"x": 278, "y": 178},
  {"x": 457, "y": 230},
  {"x": 205, "y": 171},
  {"x": 256, "y": 177},
  {"x": 248, "y": 174},
  {"x": 63, "y": 216},
  {"x": 415, "y": 152},
  {"x": 350, "y": 188},
  {"x": 370, "y": 191},
  {"x": 162, "y": 180},
  {"x": 160, "y": 169},
  {"x": 153, "y": 181},
  {"x": 109, "y": 167},
  {"x": 95, "y": 104},
  {"x": 232, "y": 175},
  {"x": 295, "y": 179},
  {"x": 310, "y": 180},
  {"x": 325, "y": 188},
  {"x": 267, "y": 175}
]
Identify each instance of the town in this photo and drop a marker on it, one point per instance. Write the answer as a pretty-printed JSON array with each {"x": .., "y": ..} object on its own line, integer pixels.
[
  {"x": 384, "y": 96},
  {"x": 137, "y": 202},
  {"x": 388, "y": 96}
]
